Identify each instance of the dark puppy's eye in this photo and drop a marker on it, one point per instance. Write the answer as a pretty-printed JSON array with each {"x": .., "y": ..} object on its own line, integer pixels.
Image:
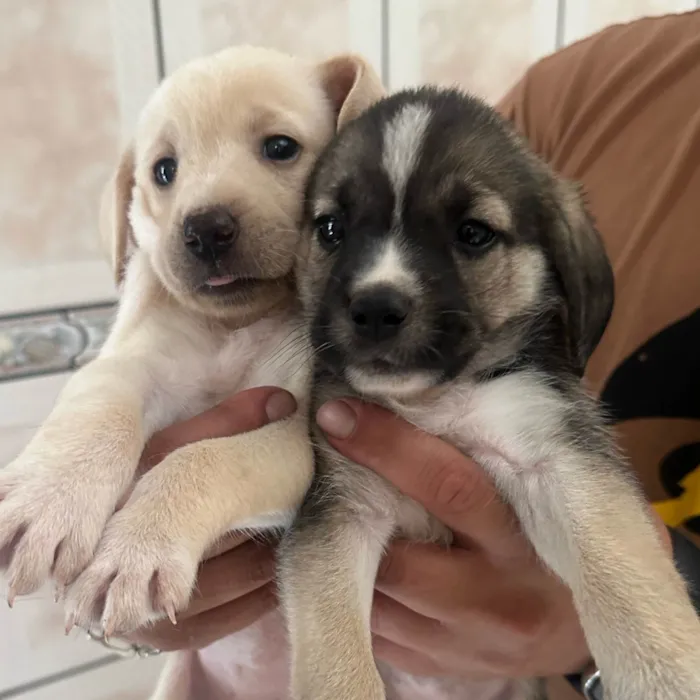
[
  {"x": 329, "y": 231},
  {"x": 475, "y": 236},
  {"x": 280, "y": 148},
  {"x": 164, "y": 171}
]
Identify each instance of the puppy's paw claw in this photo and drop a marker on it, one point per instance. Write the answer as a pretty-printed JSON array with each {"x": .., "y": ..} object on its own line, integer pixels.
[
  {"x": 48, "y": 524},
  {"x": 69, "y": 624},
  {"x": 170, "y": 612},
  {"x": 133, "y": 580}
]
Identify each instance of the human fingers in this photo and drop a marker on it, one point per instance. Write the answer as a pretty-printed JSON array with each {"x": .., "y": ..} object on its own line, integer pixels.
[
  {"x": 240, "y": 413},
  {"x": 431, "y": 471},
  {"x": 207, "y": 627}
]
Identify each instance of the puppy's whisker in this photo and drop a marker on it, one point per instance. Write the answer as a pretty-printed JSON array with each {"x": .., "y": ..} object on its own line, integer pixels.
[
  {"x": 294, "y": 337},
  {"x": 308, "y": 354}
]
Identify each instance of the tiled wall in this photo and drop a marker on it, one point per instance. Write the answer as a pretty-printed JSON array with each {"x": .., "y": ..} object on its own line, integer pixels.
[
  {"x": 59, "y": 128},
  {"x": 70, "y": 82},
  {"x": 485, "y": 46},
  {"x": 490, "y": 56},
  {"x": 73, "y": 76}
]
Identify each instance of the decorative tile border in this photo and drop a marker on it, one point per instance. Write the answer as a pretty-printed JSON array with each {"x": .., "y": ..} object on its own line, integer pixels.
[{"x": 48, "y": 342}]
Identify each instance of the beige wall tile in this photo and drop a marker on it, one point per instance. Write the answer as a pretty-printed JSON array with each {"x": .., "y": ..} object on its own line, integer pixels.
[
  {"x": 58, "y": 128},
  {"x": 481, "y": 46},
  {"x": 602, "y": 13},
  {"x": 314, "y": 28},
  {"x": 133, "y": 679},
  {"x": 585, "y": 17},
  {"x": 33, "y": 644}
]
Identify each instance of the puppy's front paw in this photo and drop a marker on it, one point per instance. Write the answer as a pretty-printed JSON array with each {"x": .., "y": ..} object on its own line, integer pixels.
[
  {"x": 51, "y": 520},
  {"x": 137, "y": 576}
]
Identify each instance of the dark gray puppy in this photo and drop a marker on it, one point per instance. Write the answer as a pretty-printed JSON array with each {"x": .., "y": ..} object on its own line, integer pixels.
[{"x": 448, "y": 274}]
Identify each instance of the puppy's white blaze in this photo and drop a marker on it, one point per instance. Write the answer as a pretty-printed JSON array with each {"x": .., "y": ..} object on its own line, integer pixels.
[
  {"x": 388, "y": 266},
  {"x": 403, "y": 139}
]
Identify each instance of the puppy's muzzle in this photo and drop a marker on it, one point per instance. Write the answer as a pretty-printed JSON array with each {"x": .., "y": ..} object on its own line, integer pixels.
[
  {"x": 379, "y": 314},
  {"x": 210, "y": 234}
]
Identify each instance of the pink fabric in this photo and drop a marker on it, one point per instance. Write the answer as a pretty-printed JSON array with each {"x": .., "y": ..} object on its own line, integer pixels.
[{"x": 253, "y": 665}]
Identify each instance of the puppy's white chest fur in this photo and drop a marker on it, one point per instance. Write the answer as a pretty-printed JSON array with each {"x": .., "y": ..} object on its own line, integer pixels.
[
  {"x": 510, "y": 419},
  {"x": 507, "y": 426},
  {"x": 199, "y": 365}
]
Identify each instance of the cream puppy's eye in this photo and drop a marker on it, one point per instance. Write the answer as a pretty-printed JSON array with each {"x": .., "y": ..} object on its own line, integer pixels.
[
  {"x": 164, "y": 171},
  {"x": 280, "y": 148},
  {"x": 474, "y": 237},
  {"x": 329, "y": 230}
]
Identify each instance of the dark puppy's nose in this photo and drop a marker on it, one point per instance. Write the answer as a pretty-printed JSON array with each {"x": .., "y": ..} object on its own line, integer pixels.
[
  {"x": 210, "y": 233},
  {"x": 379, "y": 314}
]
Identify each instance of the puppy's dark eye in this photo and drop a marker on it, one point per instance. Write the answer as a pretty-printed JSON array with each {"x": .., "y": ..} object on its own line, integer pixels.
[
  {"x": 475, "y": 237},
  {"x": 329, "y": 231},
  {"x": 164, "y": 171},
  {"x": 280, "y": 148}
]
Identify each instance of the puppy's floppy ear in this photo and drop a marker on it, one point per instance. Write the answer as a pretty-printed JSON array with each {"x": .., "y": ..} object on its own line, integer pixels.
[
  {"x": 352, "y": 85},
  {"x": 115, "y": 227},
  {"x": 585, "y": 273}
]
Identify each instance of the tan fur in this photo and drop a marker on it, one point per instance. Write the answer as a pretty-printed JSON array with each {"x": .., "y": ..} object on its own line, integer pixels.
[
  {"x": 505, "y": 284},
  {"x": 494, "y": 210},
  {"x": 115, "y": 228},
  {"x": 174, "y": 351}
]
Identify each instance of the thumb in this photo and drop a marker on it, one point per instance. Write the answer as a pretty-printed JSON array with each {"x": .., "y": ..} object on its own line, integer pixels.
[
  {"x": 427, "y": 469},
  {"x": 240, "y": 413}
]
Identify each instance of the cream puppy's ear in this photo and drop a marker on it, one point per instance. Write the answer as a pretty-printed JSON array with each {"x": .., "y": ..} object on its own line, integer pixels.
[
  {"x": 115, "y": 227},
  {"x": 351, "y": 84}
]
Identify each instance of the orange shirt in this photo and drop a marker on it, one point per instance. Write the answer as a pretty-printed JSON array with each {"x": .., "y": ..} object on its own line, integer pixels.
[{"x": 620, "y": 113}]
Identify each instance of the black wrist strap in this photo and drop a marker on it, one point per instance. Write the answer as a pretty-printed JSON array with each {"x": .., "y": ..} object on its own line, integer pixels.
[{"x": 576, "y": 682}]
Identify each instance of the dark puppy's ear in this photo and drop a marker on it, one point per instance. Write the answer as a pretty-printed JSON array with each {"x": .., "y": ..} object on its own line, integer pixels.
[
  {"x": 585, "y": 273},
  {"x": 352, "y": 85},
  {"x": 115, "y": 227}
]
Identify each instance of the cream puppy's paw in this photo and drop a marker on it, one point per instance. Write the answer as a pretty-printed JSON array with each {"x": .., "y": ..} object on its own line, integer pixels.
[
  {"x": 51, "y": 519},
  {"x": 138, "y": 575}
]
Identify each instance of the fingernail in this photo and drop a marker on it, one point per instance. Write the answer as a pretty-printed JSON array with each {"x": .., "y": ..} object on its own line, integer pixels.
[
  {"x": 337, "y": 418},
  {"x": 280, "y": 405}
]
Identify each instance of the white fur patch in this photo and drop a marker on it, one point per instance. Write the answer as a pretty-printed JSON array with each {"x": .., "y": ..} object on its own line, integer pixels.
[
  {"x": 388, "y": 386},
  {"x": 509, "y": 422},
  {"x": 272, "y": 521},
  {"x": 389, "y": 267},
  {"x": 403, "y": 139}
]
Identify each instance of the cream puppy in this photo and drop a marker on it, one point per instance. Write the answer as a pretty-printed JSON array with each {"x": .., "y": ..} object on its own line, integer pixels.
[{"x": 202, "y": 222}]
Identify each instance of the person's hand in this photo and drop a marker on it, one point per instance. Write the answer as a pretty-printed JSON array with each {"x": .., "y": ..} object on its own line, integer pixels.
[
  {"x": 485, "y": 608},
  {"x": 234, "y": 585}
]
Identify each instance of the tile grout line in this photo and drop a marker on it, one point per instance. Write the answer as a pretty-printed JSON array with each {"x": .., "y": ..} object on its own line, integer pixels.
[
  {"x": 57, "y": 310},
  {"x": 158, "y": 38},
  {"x": 561, "y": 24},
  {"x": 72, "y": 672},
  {"x": 385, "y": 38}
]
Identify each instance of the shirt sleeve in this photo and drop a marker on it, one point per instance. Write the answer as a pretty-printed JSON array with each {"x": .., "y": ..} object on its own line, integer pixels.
[
  {"x": 559, "y": 102},
  {"x": 542, "y": 103}
]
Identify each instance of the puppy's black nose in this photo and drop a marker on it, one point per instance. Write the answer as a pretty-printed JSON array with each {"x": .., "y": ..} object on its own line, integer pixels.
[
  {"x": 209, "y": 234},
  {"x": 379, "y": 314}
]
